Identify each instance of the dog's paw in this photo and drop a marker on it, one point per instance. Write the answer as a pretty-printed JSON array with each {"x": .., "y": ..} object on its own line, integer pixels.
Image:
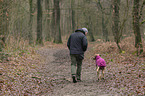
[{"x": 103, "y": 78}]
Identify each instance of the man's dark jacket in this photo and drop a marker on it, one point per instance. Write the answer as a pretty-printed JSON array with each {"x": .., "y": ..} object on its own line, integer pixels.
[{"x": 77, "y": 42}]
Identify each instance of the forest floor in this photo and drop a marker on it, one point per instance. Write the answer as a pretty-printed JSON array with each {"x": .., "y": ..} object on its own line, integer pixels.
[{"x": 46, "y": 72}]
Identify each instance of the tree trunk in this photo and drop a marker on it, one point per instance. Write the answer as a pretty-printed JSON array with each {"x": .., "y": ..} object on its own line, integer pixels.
[
  {"x": 104, "y": 28},
  {"x": 39, "y": 23},
  {"x": 136, "y": 27},
  {"x": 4, "y": 22},
  {"x": 115, "y": 23},
  {"x": 30, "y": 23},
  {"x": 56, "y": 16},
  {"x": 73, "y": 15},
  {"x": 88, "y": 22},
  {"x": 92, "y": 39},
  {"x": 48, "y": 35}
]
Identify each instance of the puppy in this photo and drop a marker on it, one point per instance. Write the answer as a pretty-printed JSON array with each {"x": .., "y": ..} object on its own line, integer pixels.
[{"x": 100, "y": 65}]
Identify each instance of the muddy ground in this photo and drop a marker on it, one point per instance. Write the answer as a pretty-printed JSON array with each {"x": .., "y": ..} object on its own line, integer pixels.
[
  {"x": 47, "y": 72},
  {"x": 57, "y": 69}
]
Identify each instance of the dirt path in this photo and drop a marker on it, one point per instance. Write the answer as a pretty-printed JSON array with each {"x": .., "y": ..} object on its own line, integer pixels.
[
  {"x": 49, "y": 74},
  {"x": 57, "y": 69}
]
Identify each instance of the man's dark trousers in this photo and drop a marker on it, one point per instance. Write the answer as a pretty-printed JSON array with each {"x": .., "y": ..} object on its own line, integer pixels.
[{"x": 76, "y": 65}]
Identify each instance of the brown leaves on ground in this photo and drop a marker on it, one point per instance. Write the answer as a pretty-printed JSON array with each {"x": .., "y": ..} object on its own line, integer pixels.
[
  {"x": 20, "y": 75},
  {"x": 20, "y": 72},
  {"x": 125, "y": 71}
]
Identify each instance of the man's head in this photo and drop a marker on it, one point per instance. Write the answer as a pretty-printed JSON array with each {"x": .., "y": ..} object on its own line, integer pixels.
[{"x": 85, "y": 30}]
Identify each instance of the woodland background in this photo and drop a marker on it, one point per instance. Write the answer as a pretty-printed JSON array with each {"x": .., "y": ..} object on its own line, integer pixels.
[
  {"x": 31, "y": 22},
  {"x": 34, "y": 30}
]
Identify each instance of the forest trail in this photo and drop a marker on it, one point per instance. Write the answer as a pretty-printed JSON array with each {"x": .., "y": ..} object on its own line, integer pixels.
[
  {"x": 46, "y": 71},
  {"x": 57, "y": 69}
]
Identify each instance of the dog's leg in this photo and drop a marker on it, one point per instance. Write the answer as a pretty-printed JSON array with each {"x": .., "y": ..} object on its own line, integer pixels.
[
  {"x": 98, "y": 71},
  {"x": 100, "y": 76},
  {"x": 103, "y": 71},
  {"x": 103, "y": 74}
]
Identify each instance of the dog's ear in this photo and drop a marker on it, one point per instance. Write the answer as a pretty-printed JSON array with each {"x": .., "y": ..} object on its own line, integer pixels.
[{"x": 94, "y": 57}]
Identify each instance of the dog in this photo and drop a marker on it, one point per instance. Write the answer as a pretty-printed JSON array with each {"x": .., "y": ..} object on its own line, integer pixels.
[{"x": 100, "y": 65}]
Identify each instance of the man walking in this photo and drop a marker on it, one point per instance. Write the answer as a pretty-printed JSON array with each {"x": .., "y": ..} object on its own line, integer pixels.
[{"x": 77, "y": 44}]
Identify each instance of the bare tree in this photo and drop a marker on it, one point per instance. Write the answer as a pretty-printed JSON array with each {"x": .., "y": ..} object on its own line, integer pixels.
[
  {"x": 73, "y": 14},
  {"x": 136, "y": 27},
  {"x": 104, "y": 22},
  {"x": 30, "y": 22},
  {"x": 4, "y": 22},
  {"x": 39, "y": 23},
  {"x": 89, "y": 20},
  {"x": 115, "y": 24},
  {"x": 56, "y": 22},
  {"x": 48, "y": 33}
]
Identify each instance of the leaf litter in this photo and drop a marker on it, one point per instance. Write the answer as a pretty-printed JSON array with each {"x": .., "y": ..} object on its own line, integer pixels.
[{"x": 125, "y": 74}]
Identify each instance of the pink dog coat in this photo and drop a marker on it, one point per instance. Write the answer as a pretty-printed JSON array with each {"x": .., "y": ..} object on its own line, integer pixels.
[{"x": 100, "y": 62}]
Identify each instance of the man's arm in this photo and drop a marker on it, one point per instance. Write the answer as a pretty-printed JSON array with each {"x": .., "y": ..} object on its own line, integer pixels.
[
  {"x": 85, "y": 43},
  {"x": 68, "y": 43}
]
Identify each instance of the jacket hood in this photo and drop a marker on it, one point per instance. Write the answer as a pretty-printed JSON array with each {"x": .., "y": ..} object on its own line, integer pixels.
[
  {"x": 97, "y": 57},
  {"x": 80, "y": 30}
]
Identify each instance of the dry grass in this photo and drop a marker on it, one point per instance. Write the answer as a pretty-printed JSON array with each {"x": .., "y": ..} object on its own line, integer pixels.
[
  {"x": 22, "y": 66},
  {"x": 13, "y": 44},
  {"x": 125, "y": 70},
  {"x": 127, "y": 45}
]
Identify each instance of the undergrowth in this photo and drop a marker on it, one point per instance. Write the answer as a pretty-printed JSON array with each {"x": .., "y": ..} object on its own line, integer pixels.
[{"x": 127, "y": 71}]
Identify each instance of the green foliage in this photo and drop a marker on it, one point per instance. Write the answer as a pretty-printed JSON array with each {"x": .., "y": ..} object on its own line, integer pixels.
[
  {"x": 4, "y": 57},
  {"x": 111, "y": 60},
  {"x": 143, "y": 22},
  {"x": 123, "y": 52},
  {"x": 36, "y": 77}
]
